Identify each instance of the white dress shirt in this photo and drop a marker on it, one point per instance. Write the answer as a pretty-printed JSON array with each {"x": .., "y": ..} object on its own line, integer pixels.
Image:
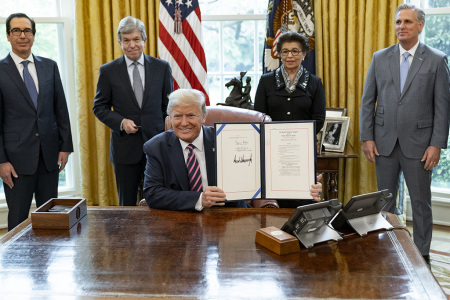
[
  {"x": 31, "y": 67},
  {"x": 130, "y": 68},
  {"x": 411, "y": 51}
]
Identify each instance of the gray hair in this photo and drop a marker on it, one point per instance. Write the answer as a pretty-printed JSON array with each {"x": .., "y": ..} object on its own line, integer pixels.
[
  {"x": 128, "y": 25},
  {"x": 420, "y": 14},
  {"x": 187, "y": 97}
]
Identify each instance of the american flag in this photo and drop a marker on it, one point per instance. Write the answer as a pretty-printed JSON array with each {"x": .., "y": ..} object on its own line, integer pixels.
[
  {"x": 283, "y": 15},
  {"x": 180, "y": 43}
]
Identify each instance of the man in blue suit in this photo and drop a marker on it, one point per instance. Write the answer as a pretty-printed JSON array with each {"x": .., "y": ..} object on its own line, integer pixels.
[
  {"x": 167, "y": 182},
  {"x": 404, "y": 117},
  {"x": 131, "y": 99},
  {"x": 35, "y": 135}
]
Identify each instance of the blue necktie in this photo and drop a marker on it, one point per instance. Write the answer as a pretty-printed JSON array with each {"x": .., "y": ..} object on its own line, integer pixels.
[
  {"x": 29, "y": 83},
  {"x": 404, "y": 67},
  {"x": 137, "y": 84}
]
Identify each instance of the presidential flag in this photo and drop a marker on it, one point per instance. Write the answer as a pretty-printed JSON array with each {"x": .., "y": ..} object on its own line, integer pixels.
[
  {"x": 284, "y": 15},
  {"x": 180, "y": 43}
]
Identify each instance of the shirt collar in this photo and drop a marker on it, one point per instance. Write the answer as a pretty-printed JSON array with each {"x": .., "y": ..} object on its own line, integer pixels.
[
  {"x": 411, "y": 51},
  {"x": 18, "y": 60},
  {"x": 129, "y": 62},
  {"x": 198, "y": 142}
]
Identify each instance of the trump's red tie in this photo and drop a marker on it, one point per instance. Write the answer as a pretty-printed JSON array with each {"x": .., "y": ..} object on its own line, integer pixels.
[{"x": 193, "y": 168}]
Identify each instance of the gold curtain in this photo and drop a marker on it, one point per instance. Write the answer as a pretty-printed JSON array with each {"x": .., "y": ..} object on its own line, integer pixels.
[
  {"x": 348, "y": 32},
  {"x": 96, "y": 43}
]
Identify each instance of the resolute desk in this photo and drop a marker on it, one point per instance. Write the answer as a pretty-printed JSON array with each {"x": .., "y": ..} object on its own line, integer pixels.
[{"x": 141, "y": 253}]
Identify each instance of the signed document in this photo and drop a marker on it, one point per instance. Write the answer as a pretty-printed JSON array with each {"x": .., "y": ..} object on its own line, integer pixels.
[
  {"x": 238, "y": 160},
  {"x": 266, "y": 160}
]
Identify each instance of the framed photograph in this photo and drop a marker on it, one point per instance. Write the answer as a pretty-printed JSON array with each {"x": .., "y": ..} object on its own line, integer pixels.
[
  {"x": 335, "y": 133},
  {"x": 320, "y": 136},
  {"x": 335, "y": 112}
]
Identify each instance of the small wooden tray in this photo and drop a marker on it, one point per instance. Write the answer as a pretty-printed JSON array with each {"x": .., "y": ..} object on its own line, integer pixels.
[
  {"x": 43, "y": 219},
  {"x": 277, "y": 241}
]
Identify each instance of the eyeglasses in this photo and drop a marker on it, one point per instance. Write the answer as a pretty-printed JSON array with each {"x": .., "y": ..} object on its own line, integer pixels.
[
  {"x": 285, "y": 52},
  {"x": 17, "y": 31}
]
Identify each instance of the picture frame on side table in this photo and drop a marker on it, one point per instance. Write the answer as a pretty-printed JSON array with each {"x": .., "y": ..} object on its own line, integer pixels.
[
  {"x": 320, "y": 137},
  {"x": 335, "y": 133},
  {"x": 336, "y": 112}
]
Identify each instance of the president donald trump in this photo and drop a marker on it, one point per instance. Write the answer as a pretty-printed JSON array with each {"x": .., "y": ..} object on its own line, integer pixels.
[{"x": 180, "y": 170}]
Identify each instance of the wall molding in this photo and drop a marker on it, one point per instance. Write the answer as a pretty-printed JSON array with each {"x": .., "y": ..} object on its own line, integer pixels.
[{"x": 441, "y": 210}]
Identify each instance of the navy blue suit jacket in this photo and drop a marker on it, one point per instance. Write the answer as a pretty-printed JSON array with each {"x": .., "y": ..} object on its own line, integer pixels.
[
  {"x": 166, "y": 183},
  {"x": 24, "y": 130},
  {"x": 115, "y": 101}
]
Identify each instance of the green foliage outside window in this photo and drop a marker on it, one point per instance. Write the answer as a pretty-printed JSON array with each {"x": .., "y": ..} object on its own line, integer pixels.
[{"x": 437, "y": 35}]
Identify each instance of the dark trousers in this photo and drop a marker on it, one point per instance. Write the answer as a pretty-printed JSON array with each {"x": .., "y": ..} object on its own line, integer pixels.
[
  {"x": 43, "y": 184},
  {"x": 418, "y": 181},
  {"x": 128, "y": 178}
]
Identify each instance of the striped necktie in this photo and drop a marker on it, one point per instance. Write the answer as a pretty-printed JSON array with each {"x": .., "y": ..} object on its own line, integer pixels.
[
  {"x": 29, "y": 83},
  {"x": 193, "y": 168},
  {"x": 137, "y": 84}
]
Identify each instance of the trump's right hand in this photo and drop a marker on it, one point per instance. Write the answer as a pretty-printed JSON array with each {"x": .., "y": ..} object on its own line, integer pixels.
[{"x": 213, "y": 196}]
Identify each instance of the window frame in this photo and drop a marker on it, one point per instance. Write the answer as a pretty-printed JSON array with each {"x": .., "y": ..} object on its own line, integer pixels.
[
  {"x": 65, "y": 31},
  {"x": 438, "y": 194},
  {"x": 224, "y": 75}
]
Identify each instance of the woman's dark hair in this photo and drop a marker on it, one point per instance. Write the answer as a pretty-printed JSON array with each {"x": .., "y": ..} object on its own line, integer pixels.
[{"x": 292, "y": 36}]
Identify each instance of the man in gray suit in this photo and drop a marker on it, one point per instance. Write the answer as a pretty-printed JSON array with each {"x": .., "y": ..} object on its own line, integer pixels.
[
  {"x": 132, "y": 99},
  {"x": 404, "y": 118},
  {"x": 35, "y": 136}
]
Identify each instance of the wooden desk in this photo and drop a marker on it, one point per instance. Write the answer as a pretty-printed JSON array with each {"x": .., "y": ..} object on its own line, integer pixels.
[
  {"x": 136, "y": 252},
  {"x": 328, "y": 163}
]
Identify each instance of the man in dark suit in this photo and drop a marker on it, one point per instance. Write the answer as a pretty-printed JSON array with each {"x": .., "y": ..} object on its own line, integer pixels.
[
  {"x": 404, "y": 121},
  {"x": 35, "y": 135},
  {"x": 131, "y": 99},
  {"x": 167, "y": 183}
]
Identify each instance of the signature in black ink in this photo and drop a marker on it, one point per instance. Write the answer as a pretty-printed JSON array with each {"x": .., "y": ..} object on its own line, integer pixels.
[
  {"x": 243, "y": 142},
  {"x": 242, "y": 159}
]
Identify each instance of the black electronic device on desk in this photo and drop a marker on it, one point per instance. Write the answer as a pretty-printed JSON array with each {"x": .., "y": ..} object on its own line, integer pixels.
[
  {"x": 363, "y": 213},
  {"x": 309, "y": 223}
]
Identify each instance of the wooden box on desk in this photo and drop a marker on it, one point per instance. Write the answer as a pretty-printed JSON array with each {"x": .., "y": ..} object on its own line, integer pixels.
[
  {"x": 277, "y": 241},
  {"x": 41, "y": 218}
]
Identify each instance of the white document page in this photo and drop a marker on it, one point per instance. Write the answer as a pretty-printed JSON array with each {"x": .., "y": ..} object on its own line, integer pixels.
[
  {"x": 238, "y": 160},
  {"x": 289, "y": 160}
]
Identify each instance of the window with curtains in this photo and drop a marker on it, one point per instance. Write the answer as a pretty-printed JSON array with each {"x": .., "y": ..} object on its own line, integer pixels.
[
  {"x": 233, "y": 39},
  {"x": 436, "y": 34},
  {"x": 54, "y": 39}
]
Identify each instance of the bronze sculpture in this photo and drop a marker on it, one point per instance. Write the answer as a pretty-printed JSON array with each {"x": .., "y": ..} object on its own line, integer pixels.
[{"x": 238, "y": 97}]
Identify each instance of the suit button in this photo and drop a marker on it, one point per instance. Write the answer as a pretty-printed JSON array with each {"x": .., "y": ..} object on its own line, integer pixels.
[
  {"x": 288, "y": 112},
  {"x": 37, "y": 134},
  {"x": 288, "y": 99}
]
